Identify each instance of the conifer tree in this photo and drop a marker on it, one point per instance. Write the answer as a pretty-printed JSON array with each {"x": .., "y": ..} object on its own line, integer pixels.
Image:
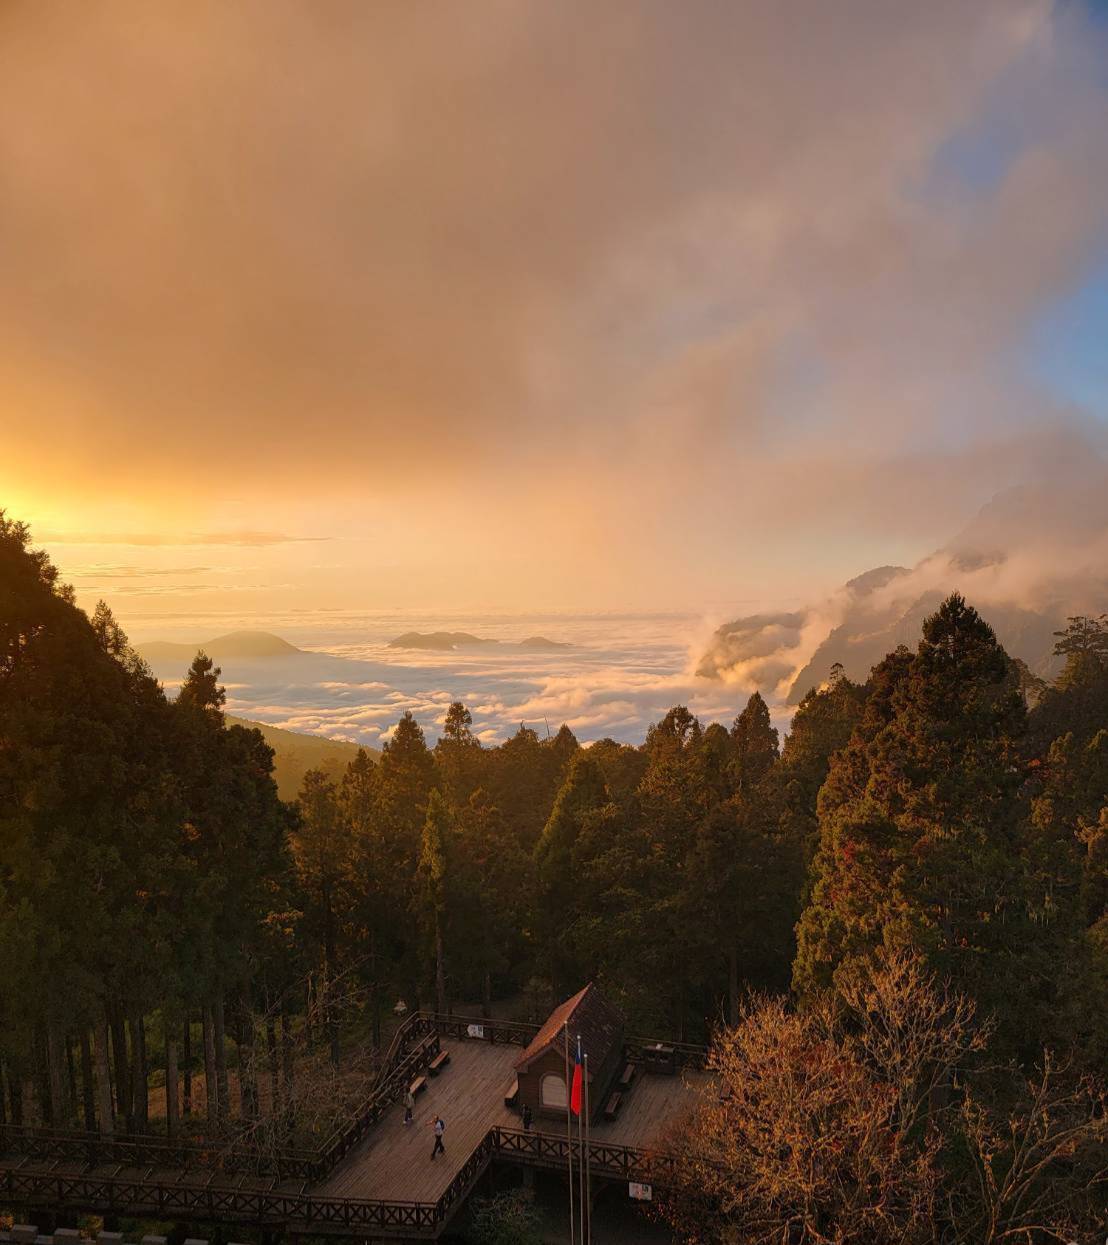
[
  {"x": 582, "y": 792},
  {"x": 435, "y": 848},
  {"x": 755, "y": 743},
  {"x": 920, "y": 819}
]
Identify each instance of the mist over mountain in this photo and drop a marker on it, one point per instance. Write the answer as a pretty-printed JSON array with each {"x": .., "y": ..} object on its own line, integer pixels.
[
  {"x": 1032, "y": 556},
  {"x": 450, "y": 641},
  {"x": 294, "y": 753}
]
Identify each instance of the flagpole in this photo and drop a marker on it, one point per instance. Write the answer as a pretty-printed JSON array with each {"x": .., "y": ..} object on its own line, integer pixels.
[
  {"x": 585, "y": 1160},
  {"x": 569, "y": 1135},
  {"x": 581, "y": 1139}
]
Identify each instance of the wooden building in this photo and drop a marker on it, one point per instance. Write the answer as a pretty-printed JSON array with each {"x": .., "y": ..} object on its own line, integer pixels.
[{"x": 541, "y": 1069}]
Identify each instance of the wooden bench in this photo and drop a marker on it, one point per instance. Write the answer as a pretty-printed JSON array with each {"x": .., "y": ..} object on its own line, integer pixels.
[
  {"x": 626, "y": 1076},
  {"x": 513, "y": 1093},
  {"x": 418, "y": 1086},
  {"x": 611, "y": 1107},
  {"x": 439, "y": 1062}
]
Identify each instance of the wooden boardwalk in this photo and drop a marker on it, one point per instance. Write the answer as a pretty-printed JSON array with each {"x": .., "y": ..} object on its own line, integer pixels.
[{"x": 394, "y": 1161}]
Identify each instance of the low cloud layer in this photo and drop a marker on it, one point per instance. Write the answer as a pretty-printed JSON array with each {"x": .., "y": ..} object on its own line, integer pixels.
[{"x": 620, "y": 675}]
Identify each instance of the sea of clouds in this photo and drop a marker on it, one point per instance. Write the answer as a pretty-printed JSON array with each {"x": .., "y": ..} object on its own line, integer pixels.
[{"x": 622, "y": 673}]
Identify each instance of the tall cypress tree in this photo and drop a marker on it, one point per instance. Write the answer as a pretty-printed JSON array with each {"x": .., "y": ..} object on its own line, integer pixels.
[{"x": 921, "y": 829}]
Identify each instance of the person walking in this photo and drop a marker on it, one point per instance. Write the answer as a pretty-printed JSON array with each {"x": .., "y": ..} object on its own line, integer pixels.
[
  {"x": 409, "y": 1105},
  {"x": 439, "y": 1128}
]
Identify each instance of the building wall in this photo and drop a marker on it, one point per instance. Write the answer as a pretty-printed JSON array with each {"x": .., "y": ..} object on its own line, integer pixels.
[{"x": 552, "y": 1062}]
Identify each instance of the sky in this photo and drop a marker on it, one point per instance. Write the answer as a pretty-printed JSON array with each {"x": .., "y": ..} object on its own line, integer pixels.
[{"x": 617, "y": 305}]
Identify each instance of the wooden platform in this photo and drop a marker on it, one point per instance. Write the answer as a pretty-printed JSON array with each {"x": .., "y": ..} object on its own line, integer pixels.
[{"x": 394, "y": 1162}]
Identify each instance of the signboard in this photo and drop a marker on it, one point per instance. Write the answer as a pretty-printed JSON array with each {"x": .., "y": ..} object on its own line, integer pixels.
[
  {"x": 640, "y": 1192},
  {"x": 475, "y": 1031}
]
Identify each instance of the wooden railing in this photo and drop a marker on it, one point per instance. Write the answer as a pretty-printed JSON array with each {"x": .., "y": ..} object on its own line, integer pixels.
[
  {"x": 391, "y": 1090},
  {"x": 685, "y": 1054},
  {"x": 303, "y": 1212},
  {"x": 141, "y": 1150},
  {"x": 415, "y": 1044},
  {"x": 397, "y": 1047}
]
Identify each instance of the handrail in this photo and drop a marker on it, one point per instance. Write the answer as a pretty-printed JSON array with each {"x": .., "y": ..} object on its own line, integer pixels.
[
  {"x": 398, "y": 1039},
  {"x": 350, "y": 1216},
  {"x": 308, "y": 1164},
  {"x": 130, "y": 1149}
]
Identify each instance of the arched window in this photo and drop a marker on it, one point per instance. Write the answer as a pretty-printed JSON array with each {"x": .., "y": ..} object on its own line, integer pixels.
[{"x": 553, "y": 1090}]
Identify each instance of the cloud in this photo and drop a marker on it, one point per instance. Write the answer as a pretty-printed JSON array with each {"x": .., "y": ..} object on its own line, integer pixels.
[
  {"x": 1035, "y": 555},
  {"x": 621, "y": 674},
  {"x": 623, "y": 286},
  {"x": 245, "y": 539}
]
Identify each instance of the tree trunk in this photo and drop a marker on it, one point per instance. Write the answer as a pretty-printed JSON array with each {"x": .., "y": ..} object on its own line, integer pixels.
[
  {"x": 103, "y": 1078},
  {"x": 3, "y": 1093},
  {"x": 486, "y": 994},
  {"x": 274, "y": 1064},
  {"x": 15, "y": 1093},
  {"x": 221, "y": 1058},
  {"x": 248, "y": 1073},
  {"x": 375, "y": 1004},
  {"x": 286, "y": 1056},
  {"x": 330, "y": 974},
  {"x": 186, "y": 1055},
  {"x": 139, "y": 1092},
  {"x": 55, "y": 1054},
  {"x": 733, "y": 986},
  {"x": 71, "y": 1079},
  {"x": 122, "y": 1067},
  {"x": 171, "y": 1110},
  {"x": 211, "y": 1082},
  {"x": 440, "y": 970},
  {"x": 87, "y": 1086}
]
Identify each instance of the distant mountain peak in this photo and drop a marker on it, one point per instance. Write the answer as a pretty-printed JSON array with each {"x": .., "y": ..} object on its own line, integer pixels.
[
  {"x": 233, "y": 644},
  {"x": 449, "y": 641}
]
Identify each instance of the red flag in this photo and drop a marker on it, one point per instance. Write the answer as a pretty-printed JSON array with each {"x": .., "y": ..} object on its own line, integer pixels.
[{"x": 575, "y": 1092}]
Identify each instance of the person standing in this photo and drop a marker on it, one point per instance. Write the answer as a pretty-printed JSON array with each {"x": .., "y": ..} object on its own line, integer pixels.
[
  {"x": 409, "y": 1105},
  {"x": 526, "y": 1117},
  {"x": 439, "y": 1128}
]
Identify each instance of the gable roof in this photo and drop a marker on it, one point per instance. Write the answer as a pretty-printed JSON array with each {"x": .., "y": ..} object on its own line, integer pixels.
[{"x": 587, "y": 1013}]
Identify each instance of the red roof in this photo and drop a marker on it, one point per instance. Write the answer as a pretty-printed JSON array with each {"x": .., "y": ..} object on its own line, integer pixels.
[{"x": 587, "y": 1014}]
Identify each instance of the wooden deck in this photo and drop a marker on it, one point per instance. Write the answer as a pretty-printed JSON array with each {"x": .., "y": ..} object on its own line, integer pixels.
[{"x": 394, "y": 1162}]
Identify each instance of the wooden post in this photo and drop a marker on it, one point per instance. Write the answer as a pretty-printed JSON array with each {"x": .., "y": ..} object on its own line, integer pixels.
[{"x": 103, "y": 1077}]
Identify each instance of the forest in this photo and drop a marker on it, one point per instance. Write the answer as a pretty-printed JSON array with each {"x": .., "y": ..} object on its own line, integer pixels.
[{"x": 930, "y": 847}]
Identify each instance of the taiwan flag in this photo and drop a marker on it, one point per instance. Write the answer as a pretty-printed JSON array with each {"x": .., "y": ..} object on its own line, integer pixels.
[{"x": 575, "y": 1092}]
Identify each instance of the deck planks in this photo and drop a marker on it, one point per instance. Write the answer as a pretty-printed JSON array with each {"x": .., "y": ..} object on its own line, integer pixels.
[{"x": 394, "y": 1162}]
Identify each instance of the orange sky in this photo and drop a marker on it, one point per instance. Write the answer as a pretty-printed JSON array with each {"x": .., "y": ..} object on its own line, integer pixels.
[{"x": 530, "y": 304}]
